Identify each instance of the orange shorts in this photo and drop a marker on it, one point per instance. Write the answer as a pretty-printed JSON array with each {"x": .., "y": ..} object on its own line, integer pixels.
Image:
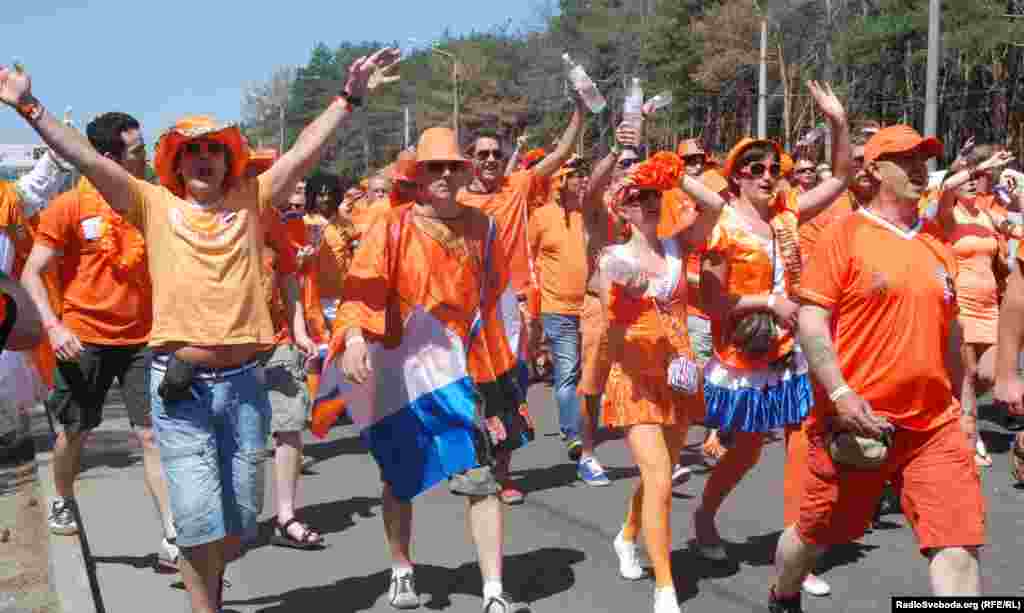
[
  {"x": 595, "y": 363},
  {"x": 934, "y": 471}
]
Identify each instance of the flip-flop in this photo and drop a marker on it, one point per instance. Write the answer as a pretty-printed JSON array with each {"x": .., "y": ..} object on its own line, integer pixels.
[{"x": 283, "y": 538}]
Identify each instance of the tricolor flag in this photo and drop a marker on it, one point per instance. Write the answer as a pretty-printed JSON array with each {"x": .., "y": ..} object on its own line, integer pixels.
[{"x": 417, "y": 411}]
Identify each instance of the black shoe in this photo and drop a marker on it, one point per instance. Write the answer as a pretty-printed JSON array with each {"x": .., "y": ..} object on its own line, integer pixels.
[
  {"x": 1014, "y": 423},
  {"x": 575, "y": 450},
  {"x": 788, "y": 605}
]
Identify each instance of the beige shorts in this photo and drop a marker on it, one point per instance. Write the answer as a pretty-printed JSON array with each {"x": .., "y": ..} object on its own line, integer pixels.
[{"x": 285, "y": 380}]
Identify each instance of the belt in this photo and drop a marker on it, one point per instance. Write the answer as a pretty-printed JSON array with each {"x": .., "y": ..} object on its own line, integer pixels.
[{"x": 206, "y": 372}]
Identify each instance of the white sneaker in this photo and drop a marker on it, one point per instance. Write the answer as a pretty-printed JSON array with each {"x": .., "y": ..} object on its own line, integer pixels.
[
  {"x": 629, "y": 558},
  {"x": 816, "y": 586},
  {"x": 666, "y": 601},
  {"x": 402, "y": 592}
]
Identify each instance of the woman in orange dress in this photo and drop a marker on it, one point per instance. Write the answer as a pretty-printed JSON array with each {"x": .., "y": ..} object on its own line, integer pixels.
[
  {"x": 758, "y": 380},
  {"x": 976, "y": 227},
  {"x": 645, "y": 283}
]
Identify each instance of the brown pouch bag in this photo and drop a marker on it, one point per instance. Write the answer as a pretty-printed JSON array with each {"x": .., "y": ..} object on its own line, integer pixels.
[{"x": 861, "y": 452}]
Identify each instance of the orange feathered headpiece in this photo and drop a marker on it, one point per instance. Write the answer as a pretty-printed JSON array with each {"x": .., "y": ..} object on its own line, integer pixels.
[
  {"x": 660, "y": 173},
  {"x": 531, "y": 158}
]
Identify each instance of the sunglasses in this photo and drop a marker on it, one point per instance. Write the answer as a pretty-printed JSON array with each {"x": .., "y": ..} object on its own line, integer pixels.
[
  {"x": 490, "y": 154},
  {"x": 439, "y": 167},
  {"x": 758, "y": 169},
  {"x": 805, "y": 171},
  {"x": 210, "y": 147},
  {"x": 693, "y": 160},
  {"x": 627, "y": 162}
]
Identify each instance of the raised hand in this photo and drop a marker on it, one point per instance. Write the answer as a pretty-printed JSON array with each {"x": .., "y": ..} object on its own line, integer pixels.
[
  {"x": 827, "y": 101},
  {"x": 998, "y": 160},
  {"x": 627, "y": 136},
  {"x": 361, "y": 70},
  {"x": 382, "y": 76},
  {"x": 15, "y": 85}
]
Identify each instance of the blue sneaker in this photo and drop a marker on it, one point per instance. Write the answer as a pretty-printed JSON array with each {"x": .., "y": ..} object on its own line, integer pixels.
[{"x": 591, "y": 472}]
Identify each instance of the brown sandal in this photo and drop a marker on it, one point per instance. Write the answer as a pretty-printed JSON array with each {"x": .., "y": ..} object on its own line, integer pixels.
[{"x": 308, "y": 540}]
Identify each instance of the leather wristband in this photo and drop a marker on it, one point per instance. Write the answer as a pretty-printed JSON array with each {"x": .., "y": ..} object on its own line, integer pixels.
[
  {"x": 353, "y": 101},
  {"x": 31, "y": 111}
]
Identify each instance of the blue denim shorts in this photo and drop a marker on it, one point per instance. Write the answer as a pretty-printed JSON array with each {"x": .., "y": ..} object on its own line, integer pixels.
[{"x": 212, "y": 449}]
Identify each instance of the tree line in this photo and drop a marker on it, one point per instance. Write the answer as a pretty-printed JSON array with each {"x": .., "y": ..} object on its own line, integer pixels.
[{"x": 511, "y": 80}]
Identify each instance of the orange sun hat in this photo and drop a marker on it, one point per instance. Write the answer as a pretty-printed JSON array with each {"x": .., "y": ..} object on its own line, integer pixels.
[
  {"x": 746, "y": 143},
  {"x": 194, "y": 127}
]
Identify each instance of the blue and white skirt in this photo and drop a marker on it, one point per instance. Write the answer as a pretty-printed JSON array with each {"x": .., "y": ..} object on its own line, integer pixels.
[{"x": 757, "y": 400}]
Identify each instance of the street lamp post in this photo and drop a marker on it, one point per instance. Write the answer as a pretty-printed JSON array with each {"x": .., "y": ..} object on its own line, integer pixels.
[{"x": 455, "y": 86}]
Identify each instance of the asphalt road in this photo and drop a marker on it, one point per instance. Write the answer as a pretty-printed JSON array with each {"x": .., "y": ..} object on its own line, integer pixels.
[{"x": 558, "y": 544}]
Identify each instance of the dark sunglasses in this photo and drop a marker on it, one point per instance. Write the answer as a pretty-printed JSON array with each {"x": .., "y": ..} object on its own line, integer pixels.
[
  {"x": 490, "y": 154},
  {"x": 757, "y": 169},
  {"x": 805, "y": 171},
  {"x": 439, "y": 167},
  {"x": 198, "y": 147},
  {"x": 627, "y": 162},
  {"x": 693, "y": 160}
]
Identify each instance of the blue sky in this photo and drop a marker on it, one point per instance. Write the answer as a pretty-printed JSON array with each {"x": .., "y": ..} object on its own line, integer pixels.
[{"x": 158, "y": 60}]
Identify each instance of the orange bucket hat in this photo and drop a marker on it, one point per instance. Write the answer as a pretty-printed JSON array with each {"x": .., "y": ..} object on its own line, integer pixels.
[
  {"x": 439, "y": 145},
  {"x": 900, "y": 138},
  {"x": 744, "y": 144},
  {"x": 190, "y": 128}
]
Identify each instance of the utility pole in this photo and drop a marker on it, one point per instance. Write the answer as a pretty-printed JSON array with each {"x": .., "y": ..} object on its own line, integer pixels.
[
  {"x": 762, "y": 82},
  {"x": 406, "y": 142},
  {"x": 931, "y": 97},
  {"x": 282, "y": 128}
]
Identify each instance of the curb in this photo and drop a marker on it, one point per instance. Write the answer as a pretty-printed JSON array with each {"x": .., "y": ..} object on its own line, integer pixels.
[{"x": 68, "y": 577}]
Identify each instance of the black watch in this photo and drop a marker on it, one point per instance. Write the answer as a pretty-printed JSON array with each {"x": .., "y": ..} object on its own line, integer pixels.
[{"x": 355, "y": 101}]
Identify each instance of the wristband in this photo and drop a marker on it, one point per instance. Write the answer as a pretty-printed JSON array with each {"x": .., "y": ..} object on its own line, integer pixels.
[
  {"x": 839, "y": 392},
  {"x": 31, "y": 111},
  {"x": 353, "y": 101}
]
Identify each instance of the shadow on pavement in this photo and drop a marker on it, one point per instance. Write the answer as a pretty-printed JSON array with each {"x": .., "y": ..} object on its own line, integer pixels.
[
  {"x": 326, "y": 450},
  {"x": 324, "y": 518},
  {"x": 529, "y": 577},
  {"x": 561, "y": 475}
]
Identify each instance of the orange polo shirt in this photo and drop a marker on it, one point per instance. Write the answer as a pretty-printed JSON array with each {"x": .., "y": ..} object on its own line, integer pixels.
[
  {"x": 811, "y": 230},
  {"x": 893, "y": 301},
  {"x": 101, "y": 305},
  {"x": 558, "y": 243}
]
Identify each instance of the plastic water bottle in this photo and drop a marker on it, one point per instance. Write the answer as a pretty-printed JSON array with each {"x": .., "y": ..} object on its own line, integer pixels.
[
  {"x": 585, "y": 86},
  {"x": 658, "y": 102},
  {"x": 620, "y": 270},
  {"x": 633, "y": 106}
]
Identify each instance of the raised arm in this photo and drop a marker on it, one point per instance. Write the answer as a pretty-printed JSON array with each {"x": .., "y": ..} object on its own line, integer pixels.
[
  {"x": 709, "y": 208},
  {"x": 555, "y": 159},
  {"x": 825, "y": 193},
  {"x": 38, "y": 187},
  {"x": 513, "y": 160},
  {"x": 305, "y": 154},
  {"x": 953, "y": 182},
  {"x": 112, "y": 181}
]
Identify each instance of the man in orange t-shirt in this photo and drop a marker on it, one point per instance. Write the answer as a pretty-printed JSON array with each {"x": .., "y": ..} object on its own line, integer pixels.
[
  {"x": 558, "y": 238},
  {"x": 107, "y": 313},
  {"x": 878, "y": 307},
  {"x": 509, "y": 201}
]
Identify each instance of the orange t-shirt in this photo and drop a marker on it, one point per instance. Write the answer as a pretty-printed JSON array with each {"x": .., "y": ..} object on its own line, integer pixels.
[
  {"x": 101, "y": 304},
  {"x": 364, "y": 215},
  {"x": 810, "y": 231},
  {"x": 206, "y": 266},
  {"x": 279, "y": 259},
  {"x": 510, "y": 207},
  {"x": 14, "y": 225},
  {"x": 892, "y": 300},
  {"x": 334, "y": 257},
  {"x": 559, "y": 245}
]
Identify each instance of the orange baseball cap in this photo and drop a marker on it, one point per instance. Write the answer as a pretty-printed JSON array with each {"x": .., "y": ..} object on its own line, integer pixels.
[
  {"x": 690, "y": 146},
  {"x": 900, "y": 138},
  {"x": 744, "y": 144}
]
